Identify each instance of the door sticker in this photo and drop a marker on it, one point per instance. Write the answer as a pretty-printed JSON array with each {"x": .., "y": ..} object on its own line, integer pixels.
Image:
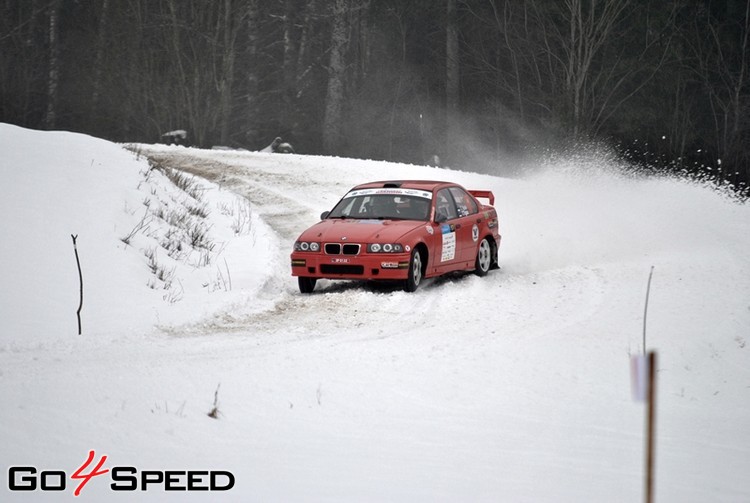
[{"x": 449, "y": 243}]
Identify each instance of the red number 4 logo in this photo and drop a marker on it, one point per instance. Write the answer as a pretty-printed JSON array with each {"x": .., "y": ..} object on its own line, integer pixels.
[{"x": 85, "y": 477}]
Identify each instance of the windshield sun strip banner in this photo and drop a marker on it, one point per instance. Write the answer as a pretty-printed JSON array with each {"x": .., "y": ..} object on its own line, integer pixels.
[{"x": 390, "y": 191}]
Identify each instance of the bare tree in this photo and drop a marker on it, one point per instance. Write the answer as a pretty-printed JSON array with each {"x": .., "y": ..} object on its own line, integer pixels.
[
  {"x": 336, "y": 74},
  {"x": 452, "y": 74},
  {"x": 101, "y": 46},
  {"x": 251, "y": 77},
  {"x": 590, "y": 28},
  {"x": 53, "y": 73},
  {"x": 723, "y": 71},
  {"x": 229, "y": 29},
  {"x": 289, "y": 66}
]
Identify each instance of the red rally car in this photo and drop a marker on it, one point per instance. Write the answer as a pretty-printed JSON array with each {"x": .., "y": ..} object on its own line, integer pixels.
[{"x": 403, "y": 230}]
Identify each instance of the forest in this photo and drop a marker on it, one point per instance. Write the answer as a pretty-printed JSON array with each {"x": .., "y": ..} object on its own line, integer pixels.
[{"x": 470, "y": 84}]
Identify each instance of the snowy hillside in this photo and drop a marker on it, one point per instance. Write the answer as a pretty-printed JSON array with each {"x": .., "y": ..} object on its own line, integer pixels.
[{"x": 514, "y": 387}]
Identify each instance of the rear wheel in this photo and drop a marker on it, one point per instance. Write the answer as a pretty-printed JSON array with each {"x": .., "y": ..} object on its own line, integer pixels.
[
  {"x": 415, "y": 271},
  {"x": 484, "y": 258},
  {"x": 306, "y": 285}
]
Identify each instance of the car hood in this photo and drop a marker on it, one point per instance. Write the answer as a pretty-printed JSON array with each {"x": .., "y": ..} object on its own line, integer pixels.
[{"x": 360, "y": 231}]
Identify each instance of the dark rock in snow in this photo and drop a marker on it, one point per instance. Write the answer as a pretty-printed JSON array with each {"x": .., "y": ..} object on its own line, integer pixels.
[{"x": 279, "y": 146}]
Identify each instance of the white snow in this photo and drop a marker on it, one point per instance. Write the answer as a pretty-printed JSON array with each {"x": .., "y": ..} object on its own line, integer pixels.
[{"x": 514, "y": 387}]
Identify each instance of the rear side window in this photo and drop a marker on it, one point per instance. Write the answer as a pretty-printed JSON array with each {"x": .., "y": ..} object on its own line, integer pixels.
[{"x": 465, "y": 204}]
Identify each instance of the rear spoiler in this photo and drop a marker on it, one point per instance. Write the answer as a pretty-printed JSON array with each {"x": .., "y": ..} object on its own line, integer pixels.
[{"x": 486, "y": 194}]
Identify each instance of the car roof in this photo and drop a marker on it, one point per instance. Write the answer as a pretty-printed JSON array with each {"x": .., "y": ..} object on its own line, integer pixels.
[{"x": 405, "y": 184}]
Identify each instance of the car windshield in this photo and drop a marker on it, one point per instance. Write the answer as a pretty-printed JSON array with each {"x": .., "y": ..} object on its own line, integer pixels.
[{"x": 367, "y": 205}]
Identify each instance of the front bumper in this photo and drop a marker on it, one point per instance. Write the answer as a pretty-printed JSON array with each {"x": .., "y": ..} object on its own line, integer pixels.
[{"x": 385, "y": 266}]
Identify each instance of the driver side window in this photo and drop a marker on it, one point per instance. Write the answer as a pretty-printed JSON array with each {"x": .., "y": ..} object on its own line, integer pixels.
[{"x": 445, "y": 208}]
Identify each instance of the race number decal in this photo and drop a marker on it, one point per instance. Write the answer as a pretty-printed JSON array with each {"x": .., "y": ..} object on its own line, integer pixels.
[{"x": 449, "y": 243}]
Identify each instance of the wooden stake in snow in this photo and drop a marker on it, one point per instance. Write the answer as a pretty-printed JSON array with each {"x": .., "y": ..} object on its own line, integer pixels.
[
  {"x": 80, "y": 281},
  {"x": 650, "y": 426},
  {"x": 643, "y": 371},
  {"x": 215, "y": 411}
]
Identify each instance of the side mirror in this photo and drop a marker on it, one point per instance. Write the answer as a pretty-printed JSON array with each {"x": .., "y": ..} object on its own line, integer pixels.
[{"x": 324, "y": 215}]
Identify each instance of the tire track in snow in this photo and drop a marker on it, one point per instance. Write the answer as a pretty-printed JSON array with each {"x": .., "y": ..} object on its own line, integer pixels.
[
  {"x": 282, "y": 213},
  {"x": 334, "y": 303},
  {"x": 575, "y": 293}
]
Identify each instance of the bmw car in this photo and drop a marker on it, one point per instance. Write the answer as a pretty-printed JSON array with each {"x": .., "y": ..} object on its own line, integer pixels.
[{"x": 400, "y": 230}]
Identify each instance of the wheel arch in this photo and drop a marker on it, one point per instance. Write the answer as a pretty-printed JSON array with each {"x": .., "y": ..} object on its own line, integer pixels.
[
  {"x": 425, "y": 252},
  {"x": 494, "y": 248}
]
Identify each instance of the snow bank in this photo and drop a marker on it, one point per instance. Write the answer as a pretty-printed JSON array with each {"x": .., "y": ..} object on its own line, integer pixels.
[{"x": 58, "y": 184}]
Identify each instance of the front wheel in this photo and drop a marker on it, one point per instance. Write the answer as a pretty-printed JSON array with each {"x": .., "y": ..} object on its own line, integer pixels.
[
  {"x": 415, "y": 271},
  {"x": 306, "y": 285},
  {"x": 484, "y": 258}
]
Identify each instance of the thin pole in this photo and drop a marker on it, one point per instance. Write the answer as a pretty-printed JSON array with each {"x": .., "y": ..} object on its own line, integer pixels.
[
  {"x": 650, "y": 427},
  {"x": 645, "y": 308},
  {"x": 80, "y": 281}
]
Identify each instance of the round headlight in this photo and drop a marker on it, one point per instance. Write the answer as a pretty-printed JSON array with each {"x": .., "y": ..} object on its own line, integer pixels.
[
  {"x": 304, "y": 246},
  {"x": 314, "y": 247},
  {"x": 397, "y": 248},
  {"x": 375, "y": 247},
  {"x": 388, "y": 247}
]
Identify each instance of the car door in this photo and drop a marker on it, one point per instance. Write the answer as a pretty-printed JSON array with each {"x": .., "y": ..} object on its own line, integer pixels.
[
  {"x": 446, "y": 253},
  {"x": 450, "y": 254},
  {"x": 467, "y": 227}
]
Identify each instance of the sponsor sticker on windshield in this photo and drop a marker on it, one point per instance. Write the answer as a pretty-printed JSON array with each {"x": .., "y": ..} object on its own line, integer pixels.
[{"x": 390, "y": 191}]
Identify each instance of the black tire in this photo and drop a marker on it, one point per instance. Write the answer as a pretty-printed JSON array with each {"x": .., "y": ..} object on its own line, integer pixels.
[
  {"x": 306, "y": 285},
  {"x": 484, "y": 260},
  {"x": 416, "y": 271}
]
